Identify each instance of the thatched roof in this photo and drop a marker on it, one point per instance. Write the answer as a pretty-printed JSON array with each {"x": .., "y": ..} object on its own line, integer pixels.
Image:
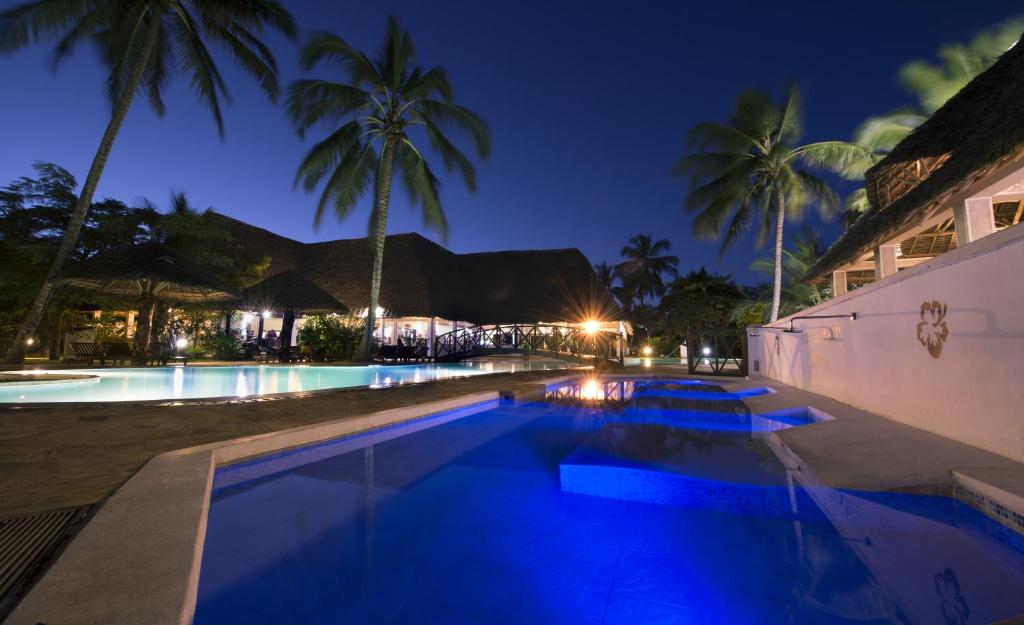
[
  {"x": 423, "y": 279},
  {"x": 976, "y": 133},
  {"x": 289, "y": 290},
  {"x": 130, "y": 270}
]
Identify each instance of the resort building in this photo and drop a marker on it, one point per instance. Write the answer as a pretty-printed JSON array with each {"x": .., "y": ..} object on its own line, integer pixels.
[
  {"x": 428, "y": 290},
  {"x": 926, "y": 324}
]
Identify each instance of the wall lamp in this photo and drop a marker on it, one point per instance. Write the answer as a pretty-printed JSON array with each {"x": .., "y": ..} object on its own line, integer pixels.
[{"x": 852, "y": 317}]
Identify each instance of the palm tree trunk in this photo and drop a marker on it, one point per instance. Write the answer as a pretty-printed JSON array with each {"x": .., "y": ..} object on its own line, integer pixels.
[
  {"x": 387, "y": 158},
  {"x": 16, "y": 351},
  {"x": 147, "y": 305},
  {"x": 780, "y": 219}
]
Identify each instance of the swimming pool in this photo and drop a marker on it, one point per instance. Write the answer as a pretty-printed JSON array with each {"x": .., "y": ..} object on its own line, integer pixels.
[
  {"x": 173, "y": 383},
  {"x": 641, "y": 509}
]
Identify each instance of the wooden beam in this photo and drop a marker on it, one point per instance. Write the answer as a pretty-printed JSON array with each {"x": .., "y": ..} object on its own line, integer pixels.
[{"x": 1016, "y": 215}]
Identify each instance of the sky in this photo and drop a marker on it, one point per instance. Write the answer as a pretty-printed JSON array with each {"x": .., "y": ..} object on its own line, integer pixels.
[{"x": 588, "y": 102}]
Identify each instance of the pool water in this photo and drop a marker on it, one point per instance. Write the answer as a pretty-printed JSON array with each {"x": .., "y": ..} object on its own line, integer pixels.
[
  {"x": 644, "y": 507},
  {"x": 172, "y": 383}
]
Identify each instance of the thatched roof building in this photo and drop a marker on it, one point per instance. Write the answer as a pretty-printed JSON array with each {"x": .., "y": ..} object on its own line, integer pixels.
[
  {"x": 971, "y": 148},
  {"x": 424, "y": 279}
]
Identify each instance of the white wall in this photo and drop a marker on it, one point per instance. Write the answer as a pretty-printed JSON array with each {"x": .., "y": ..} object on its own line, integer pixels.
[{"x": 972, "y": 392}]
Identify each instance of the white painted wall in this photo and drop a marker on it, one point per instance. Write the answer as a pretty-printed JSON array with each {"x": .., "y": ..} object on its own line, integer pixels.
[{"x": 973, "y": 392}]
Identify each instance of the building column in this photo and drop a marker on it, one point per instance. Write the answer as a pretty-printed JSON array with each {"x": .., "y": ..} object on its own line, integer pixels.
[
  {"x": 885, "y": 260},
  {"x": 838, "y": 283},
  {"x": 974, "y": 219},
  {"x": 431, "y": 335},
  {"x": 394, "y": 331}
]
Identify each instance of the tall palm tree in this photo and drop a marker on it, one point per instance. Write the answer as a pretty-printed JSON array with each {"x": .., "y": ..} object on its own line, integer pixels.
[
  {"x": 370, "y": 116},
  {"x": 932, "y": 84},
  {"x": 142, "y": 43},
  {"x": 749, "y": 171},
  {"x": 644, "y": 265}
]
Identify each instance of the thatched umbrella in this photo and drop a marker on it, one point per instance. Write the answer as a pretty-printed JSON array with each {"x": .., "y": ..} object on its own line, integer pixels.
[
  {"x": 150, "y": 271},
  {"x": 289, "y": 292}
]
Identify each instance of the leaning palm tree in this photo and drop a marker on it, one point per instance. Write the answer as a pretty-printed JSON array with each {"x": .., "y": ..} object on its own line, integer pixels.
[
  {"x": 749, "y": 171},
  {"x": 644, "y": 265},
  {"x": 796, "y": 293},
  {"x": 371, "y": 116},
  {"x": 142, "y": 43}
]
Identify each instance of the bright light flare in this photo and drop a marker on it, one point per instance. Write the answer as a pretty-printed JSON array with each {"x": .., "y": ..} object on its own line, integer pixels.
[
  {"x": 706, "y": 351},
  {"x": 266, "y": 314},
  {"x": 181, "y": 343},
  {"x": 647, "y": 350},
  {"x": 591, "y": 390},
  {"x": 591, "y": 326},
  {"x": 29, "y": 341}
]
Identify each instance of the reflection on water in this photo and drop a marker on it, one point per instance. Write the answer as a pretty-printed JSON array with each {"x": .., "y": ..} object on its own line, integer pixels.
[
  {"x": 198, "y": 382},
  {"x": 640, "y": 508}
]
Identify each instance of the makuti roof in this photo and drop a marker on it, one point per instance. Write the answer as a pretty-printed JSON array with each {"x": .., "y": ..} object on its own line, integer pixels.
[
  {"x": 423, "y": 279},
  {"x": 976, "y": 133}
]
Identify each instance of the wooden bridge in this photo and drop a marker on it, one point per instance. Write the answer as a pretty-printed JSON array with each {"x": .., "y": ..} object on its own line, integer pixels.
[{"x": 538, "y": 339}]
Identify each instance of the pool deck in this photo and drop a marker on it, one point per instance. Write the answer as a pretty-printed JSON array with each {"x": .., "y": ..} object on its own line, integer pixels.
[
  {"x": 862, "y": 451},
  {"x": 61, "y": 456}
]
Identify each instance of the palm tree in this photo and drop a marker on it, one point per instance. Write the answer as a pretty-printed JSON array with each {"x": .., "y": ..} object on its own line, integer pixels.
[
  {"x": 796, "y": 294},
  {"x": 142, "y": 43},
  {"x": 605, "y": 275},
  {"x": 932, "y": 84},
  {"x": 370, "y": 116},
  {"x": 749, "y": 171},
  {"x": 644, "y": 265}
]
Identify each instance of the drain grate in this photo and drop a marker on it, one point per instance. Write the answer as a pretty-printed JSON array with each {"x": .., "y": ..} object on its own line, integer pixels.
[{"x": 27, "y": 545}]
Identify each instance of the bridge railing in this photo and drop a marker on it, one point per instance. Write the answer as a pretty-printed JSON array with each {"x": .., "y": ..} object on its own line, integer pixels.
[{"x": 538, "y": 339}]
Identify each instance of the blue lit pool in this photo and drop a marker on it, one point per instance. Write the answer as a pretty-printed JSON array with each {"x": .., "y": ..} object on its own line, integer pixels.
[
  {"x": 172, "y": 383},
  {"x": 637, "y": 509}
]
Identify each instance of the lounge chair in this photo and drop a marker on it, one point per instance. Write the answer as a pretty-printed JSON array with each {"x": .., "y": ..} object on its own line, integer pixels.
[{"x": 85, "y": 353}]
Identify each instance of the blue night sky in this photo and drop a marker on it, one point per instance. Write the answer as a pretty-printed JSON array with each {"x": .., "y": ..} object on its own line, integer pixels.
[{"x": 588, "y": 104}]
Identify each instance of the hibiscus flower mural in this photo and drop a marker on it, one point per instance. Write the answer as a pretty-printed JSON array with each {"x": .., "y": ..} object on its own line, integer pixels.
[{"x": 932, "y": 331}]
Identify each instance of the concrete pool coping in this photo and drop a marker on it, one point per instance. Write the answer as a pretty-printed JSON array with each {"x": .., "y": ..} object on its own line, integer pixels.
[{"x": 138, "y": 559}]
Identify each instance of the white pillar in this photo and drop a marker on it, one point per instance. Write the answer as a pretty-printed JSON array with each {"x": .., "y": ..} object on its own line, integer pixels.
[
  {"x": 431, "y": 335},
  {"x": 394, "y": 331},
  {"x": 838, "y": 283},
  {"x": 974, "y": 219},
  {"x": 885, "y": 260}
]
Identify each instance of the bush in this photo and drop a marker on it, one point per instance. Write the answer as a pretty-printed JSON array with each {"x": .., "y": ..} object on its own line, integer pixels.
[
  {"x": 330, "y": 337},
  {"x": 222, "y": 347}
]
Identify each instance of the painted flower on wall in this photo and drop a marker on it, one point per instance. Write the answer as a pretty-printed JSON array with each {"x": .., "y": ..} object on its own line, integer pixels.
[
  {"x": 932, "y": 331},
  {"x": 954, "y": 606}
]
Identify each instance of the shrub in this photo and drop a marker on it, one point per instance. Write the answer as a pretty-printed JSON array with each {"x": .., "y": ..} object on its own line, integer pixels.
[
  {"x": 330, "y": 337},
  {"x": 222, "y": 347}
]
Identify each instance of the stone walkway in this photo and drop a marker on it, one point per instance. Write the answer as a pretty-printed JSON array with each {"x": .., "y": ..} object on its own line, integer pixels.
[{"x": 61, "y": 456}]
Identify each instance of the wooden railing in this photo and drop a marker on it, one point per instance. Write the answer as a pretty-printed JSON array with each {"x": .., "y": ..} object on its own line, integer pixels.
[{"x": 531, "y": 339}]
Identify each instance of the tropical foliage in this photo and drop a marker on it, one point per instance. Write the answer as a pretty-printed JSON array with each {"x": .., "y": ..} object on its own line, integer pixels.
[
  {"x": 33, "y": 211},
  {"x": 753, "y": 171},
  {"x": 797, "y": 294},
  {"x": 142, "y": 44},
  {"x": 698, "y": 310},
  {"x": 370, "y": 116},
  {"x": 644, "y": 267},
  {"x": 330, "y": 337}
]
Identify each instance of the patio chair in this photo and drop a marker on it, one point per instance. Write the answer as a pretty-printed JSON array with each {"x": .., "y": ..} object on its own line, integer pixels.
[
  {"x": 84, "y": 353},
  {"x": 387, "y": 353}
]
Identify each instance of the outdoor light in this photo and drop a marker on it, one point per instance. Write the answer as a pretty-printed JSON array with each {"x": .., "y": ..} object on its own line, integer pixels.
[
  {"x": 706, "y": 351},
  {"x": 266, "y": 314},
  {"x": 647, "y": 350},
  {"x": 181, "y": 343},
  {"x": 29, "y": 341},
  {"x": 591, "y": 326}
]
